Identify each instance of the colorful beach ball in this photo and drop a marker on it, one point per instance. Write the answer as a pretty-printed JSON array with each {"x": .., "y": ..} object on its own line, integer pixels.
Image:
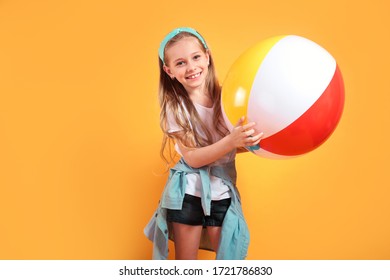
[{"x": 292, "y": 88}]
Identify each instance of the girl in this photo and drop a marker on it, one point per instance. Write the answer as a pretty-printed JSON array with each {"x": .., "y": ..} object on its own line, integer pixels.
[{"x": 200, "y": 206}]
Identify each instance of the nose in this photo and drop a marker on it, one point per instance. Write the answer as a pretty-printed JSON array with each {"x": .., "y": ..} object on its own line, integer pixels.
[{"x": 191, "y": 66}]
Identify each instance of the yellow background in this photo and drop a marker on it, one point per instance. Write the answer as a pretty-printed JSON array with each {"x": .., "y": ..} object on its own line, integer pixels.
[{"x": 80, "y": 172}]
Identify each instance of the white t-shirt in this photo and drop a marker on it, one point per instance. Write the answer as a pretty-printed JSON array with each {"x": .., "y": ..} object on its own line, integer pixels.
[{"x": 218, "y": 189}]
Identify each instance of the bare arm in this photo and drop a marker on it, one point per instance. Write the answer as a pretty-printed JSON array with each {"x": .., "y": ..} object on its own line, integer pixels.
[
  {"x": 242, "y": 150},
  {"x": 239, "y": 137}
]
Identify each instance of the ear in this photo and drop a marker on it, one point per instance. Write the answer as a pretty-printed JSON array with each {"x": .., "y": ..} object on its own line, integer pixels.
[
  {"x": 168, "y": 71},
  {"x": 208, "y": 57}
]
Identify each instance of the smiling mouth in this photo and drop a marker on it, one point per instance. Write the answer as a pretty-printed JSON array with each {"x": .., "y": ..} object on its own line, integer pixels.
[{"x": 194, "y": 76}]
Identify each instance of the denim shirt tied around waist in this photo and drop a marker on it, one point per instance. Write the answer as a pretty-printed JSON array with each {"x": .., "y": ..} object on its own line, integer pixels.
[{"x": 234, "y": 239}]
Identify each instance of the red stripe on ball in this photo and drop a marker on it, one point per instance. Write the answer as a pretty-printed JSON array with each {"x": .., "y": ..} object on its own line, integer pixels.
[{"x": 314, "y": 126}]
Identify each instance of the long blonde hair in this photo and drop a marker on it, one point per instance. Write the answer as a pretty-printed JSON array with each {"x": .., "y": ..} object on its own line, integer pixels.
[{"x": 173, "y": 97}]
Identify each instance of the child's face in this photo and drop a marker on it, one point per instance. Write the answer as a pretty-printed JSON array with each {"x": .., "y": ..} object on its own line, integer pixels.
[{"x": 188, "y": 63}]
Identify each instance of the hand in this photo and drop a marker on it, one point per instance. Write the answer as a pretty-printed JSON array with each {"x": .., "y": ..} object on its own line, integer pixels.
[{"x": 242, "y": 135}]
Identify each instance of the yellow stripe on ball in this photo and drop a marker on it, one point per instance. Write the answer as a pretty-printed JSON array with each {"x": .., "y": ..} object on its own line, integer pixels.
[{"x": 238, "y": 83}]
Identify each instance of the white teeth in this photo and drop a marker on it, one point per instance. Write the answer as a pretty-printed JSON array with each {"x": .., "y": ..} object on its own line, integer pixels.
[{"x": 194, "y": 76}]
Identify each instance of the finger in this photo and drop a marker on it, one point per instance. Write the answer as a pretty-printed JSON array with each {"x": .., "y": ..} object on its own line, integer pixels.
[
  {"x": 260, "y": 135},
  {"x": 257, "y": 137},
  {"x": 240, "y": 121},
  {"x": 253, "y": 140},
  {"x": 248, "y": 125},
  {"x": 249, "y": 132}
]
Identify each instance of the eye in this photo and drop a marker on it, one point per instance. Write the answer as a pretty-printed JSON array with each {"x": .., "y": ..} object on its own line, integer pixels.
[
  {"x": 180, "y": 63},
  {"x": 198, "y": 56}
]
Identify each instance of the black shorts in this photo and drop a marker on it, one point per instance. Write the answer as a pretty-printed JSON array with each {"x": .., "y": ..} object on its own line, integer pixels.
[{"x": 192, "y": 212}]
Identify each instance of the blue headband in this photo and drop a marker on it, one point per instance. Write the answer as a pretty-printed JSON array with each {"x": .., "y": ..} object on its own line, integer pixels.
[{"x": 173, "y": 33}]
